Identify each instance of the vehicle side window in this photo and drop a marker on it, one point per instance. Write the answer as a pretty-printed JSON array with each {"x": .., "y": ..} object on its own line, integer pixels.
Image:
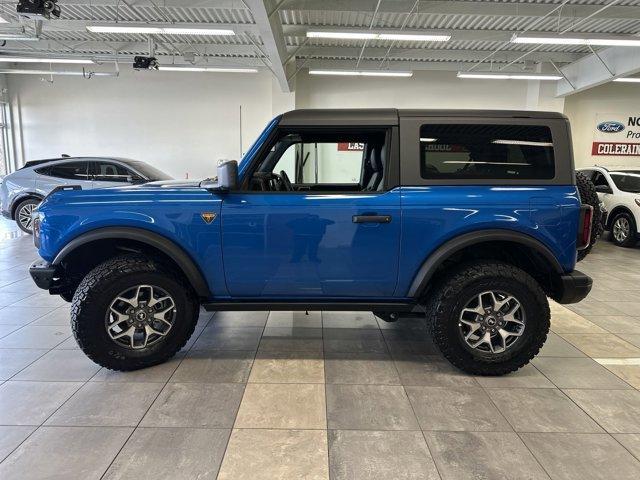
[
  {"x": 323, "y": 161},
  {"x": 600, "y": 179},
  {"x": 110, "y": 172},
  {"x": 486, "y": 151},
  {"x": 69, "y": 170}
]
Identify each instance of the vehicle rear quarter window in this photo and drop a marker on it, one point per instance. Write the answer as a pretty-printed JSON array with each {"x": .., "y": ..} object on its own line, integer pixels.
[
  {"x": 69, "y": 170},
  {"x": 486, "y": 152}
]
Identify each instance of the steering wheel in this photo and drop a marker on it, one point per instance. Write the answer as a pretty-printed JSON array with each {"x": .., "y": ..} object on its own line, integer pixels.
[{"x": 286, "y": 183}]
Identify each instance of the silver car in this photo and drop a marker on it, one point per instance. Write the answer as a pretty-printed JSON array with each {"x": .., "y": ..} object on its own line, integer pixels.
[{"x": 24, "y": 189}]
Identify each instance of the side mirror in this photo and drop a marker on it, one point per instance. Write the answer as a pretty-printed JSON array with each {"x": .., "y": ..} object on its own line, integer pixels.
[
  {"x": 228, "y": 175},
  {"x": 603, "y": 189},
  {"x": 227, "y": 178}
]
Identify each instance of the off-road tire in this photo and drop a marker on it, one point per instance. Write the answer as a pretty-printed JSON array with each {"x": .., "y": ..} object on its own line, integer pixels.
[
  {"x": 21, "y": 205},
  {"x": 102, "y": 284},
  {"x": 449, "y": 298},
  {"x": 632, "y": 238},
  {"x": 589, "y": 196}
]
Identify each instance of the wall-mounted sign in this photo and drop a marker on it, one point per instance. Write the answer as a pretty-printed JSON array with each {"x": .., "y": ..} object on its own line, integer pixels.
[
  {"x": 350, "y": 147},
  {"x": 616, "y": 134}
]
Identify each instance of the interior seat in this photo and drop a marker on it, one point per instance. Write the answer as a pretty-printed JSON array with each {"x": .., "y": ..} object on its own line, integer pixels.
[{"x": 376, "y": 164}]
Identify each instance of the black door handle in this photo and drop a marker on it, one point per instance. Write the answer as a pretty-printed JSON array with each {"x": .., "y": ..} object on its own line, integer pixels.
[{"x": 371, "y": 219}]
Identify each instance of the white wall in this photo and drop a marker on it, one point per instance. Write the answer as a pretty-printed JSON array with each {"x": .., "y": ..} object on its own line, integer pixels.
[
  {"x": 180, "y": 122},
  {"x": 426, "y": 89},
  {"x": 616, "y": 99}
]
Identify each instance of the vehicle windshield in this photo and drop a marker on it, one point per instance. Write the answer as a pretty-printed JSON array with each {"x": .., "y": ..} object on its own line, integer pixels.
[
  {"x": 627, "y": 181},
  {"x": 152, "y": 173}
]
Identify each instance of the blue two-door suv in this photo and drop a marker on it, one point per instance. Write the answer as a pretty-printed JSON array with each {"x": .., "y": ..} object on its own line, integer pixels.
[{"x": 470, "y": 216}]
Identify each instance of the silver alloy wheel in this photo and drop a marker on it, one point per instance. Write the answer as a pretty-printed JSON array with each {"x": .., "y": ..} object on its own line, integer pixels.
[
  {"x": 492, "y": 322},
  {"x": 140, "y": 316},
  {"x": 24, "y": 215},
  {"x": 621, "y": 229}
]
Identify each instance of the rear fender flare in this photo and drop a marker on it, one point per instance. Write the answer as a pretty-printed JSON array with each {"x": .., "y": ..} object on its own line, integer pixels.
[{"x": 442, "y": 253}]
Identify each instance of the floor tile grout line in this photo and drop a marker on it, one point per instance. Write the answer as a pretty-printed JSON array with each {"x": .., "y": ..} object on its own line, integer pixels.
[
  {"x": 244, "y": 391},
  {"x": 133, "y": 430},
  {"x": 424, "y": 438},
  {"x": 326, "y": 398}
]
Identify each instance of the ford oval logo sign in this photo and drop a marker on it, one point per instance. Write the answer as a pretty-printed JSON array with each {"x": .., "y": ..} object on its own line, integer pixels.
[{"x": 610, "y": 127}]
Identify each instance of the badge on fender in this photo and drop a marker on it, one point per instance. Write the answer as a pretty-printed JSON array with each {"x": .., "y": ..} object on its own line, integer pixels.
[{"x": 208, "y": 217}]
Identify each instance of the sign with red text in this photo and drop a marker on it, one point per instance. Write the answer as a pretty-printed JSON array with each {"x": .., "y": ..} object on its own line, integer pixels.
[
  {"x": 616, "y": 134},
  {"x": 350, "y": 147}
]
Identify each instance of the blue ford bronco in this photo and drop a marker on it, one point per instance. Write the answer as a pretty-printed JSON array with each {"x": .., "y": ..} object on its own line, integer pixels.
[{"x": 470, "y": 218}]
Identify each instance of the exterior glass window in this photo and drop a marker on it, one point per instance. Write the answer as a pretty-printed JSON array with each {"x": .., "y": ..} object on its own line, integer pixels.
[{"x": 484, "y": 151}]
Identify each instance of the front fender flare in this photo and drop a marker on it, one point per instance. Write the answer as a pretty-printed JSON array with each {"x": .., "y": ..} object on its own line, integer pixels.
[
  {"x": 456, "y": 244},
  {"x": 170, "y": 248}
]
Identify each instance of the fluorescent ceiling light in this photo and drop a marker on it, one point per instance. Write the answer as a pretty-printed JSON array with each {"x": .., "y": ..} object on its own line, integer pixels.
[
  {"x": 523, "y": 142},
  {"x": 428, "y": 140},
  {"x": 573, "y": 40},
  {"x": 628, "y": 80},
  {"x": 18, "y": 36},
  {"x": 197, "y": 31},
  {"x": 44, "y": 60},
  {"x": 380, "y": 36},
  {"x": 508, "y": 76},
  {"x": 157, "y": 30},
  {"x": 362, "y": 73},
  {"x": 3, "y": 20},
  {"x": 172, "y": 68},
  {"x": 50, "y": 72}
]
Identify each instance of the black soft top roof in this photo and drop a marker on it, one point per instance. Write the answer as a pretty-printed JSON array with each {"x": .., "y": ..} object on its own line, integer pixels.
[{"x": 390, "y": 116}]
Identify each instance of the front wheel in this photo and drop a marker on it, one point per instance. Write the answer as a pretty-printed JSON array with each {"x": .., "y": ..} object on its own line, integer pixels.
[
  {"x": 623, "y": 230},
  {"x": 489, "y": 318},
  {"x": 132, "y": 312}
]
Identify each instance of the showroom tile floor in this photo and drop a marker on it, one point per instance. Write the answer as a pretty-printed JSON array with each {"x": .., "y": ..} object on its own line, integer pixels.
[{"x": 336, "y": 395}]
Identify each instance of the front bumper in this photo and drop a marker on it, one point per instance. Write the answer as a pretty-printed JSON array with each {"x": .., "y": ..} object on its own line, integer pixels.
[
  {"x": 573, "y": 287},
  {"x": 43, "y": 274}
]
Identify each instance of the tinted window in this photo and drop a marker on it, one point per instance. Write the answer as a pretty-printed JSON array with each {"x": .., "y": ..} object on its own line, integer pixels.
[
  {"x": 599, "y": 179},
  {"x": 70, "y": 170},
  {"x": 627, "y": 182},
  {"x": 110, "y": 172},
  {"x": 501, "y": 152}
]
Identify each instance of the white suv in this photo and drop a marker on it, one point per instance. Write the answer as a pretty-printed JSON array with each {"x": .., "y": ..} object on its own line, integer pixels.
[{"x": 619, "y": 190}]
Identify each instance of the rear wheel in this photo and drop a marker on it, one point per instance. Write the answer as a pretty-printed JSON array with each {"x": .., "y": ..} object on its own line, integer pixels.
[
  {"x": 23, "y": 214},
  {"x": 132, "y": 312},
  {"x": 623, "y": 230},
  {"x": 489, "y": 318}
]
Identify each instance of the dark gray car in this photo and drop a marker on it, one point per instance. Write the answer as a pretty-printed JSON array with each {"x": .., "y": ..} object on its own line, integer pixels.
[{"x": 23, "y": 190}]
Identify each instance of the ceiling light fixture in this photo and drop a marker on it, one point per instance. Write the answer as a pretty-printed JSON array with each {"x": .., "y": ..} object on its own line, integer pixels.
[
  {"x": 45, "y": 60},
  {"x": 3, "y": 20},
  {"x": 173, "y": 68},
  {"x": 380, "y": 36},
  {"x": 52, "y": 72},
  {"x": 616, "y": 41},
  {"x": 628, "y": 80},
  {"x": 508, "y": 76},
  {"x": 149, "y": 30},
  {"x": 362, "y": 73},
  {"x": 428, "y": 140}
]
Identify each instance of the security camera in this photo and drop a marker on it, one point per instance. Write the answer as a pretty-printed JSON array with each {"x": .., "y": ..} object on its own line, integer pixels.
[
  {"x": 38, "y": 9},
  {"x": 145, "y": 63}
]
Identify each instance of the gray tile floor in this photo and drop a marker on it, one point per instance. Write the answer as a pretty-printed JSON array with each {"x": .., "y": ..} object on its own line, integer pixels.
[{"x": 336, "y": 395}]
